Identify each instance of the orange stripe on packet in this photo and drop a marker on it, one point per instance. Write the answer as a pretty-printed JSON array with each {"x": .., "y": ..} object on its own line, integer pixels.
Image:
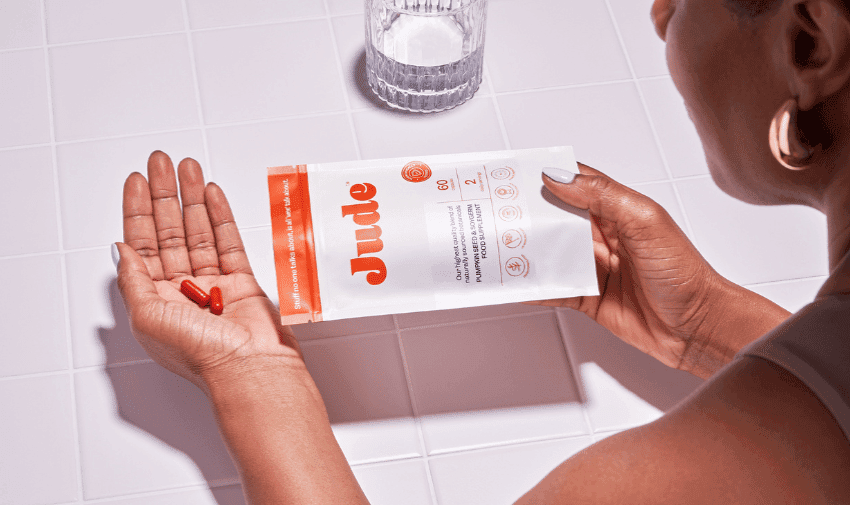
[{"x": 294, "y": 249}]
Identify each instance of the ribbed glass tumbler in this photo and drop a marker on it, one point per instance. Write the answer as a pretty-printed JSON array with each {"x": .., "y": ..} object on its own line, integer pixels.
[{"x": 425, "y": 55}]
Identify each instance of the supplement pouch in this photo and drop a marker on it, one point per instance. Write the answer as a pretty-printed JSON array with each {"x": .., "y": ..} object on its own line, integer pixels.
[{"x": 375, "y": 237}]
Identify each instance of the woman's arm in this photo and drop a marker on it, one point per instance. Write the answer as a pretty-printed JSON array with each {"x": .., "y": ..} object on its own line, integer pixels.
[
  {"x": 736, "y": 318},
  {"x": 276, "y": 427}
]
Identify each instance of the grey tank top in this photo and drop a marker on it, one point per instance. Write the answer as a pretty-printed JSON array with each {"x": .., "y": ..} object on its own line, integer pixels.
[{"x": 814, "y": 345}]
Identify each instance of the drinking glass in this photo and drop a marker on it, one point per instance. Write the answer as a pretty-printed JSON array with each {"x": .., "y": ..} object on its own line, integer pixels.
[{"x": 425, "y": 55}]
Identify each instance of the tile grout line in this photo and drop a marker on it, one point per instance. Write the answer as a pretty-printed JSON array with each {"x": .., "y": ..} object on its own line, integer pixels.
[
  {"x": 416, "y": 418},
  {"x": 101, "y": 247},
  {"x": 206, "y": 486},
  {"x": 178, "y": 32},
  {"x": 689, "y": 229},
  {"x": 310, "y": 342},
  {"x": 499, "y": 118},
  {"x": 785, "y": 281},
  {"x": 73, "y": 371},
  {"x": 63, "y": 265},
  {"x": 486, "y": 447},
  {"x": 476, "y": 320},
  {"x": 512, "y": 443},
  {"x": 576, "y": 370},
  {"x": 169, "y": 32},
  {"x": 228, "y": 124},
  {"x": 520, "y": 443},
  {"x": 346, "y": 98},
  {"x": 293, "y": 117},
  {"x": 199, "y": 105},
  {"x": 400, "y": 330},
  {"x": 563, "y": 87},
  {"x": 668, "y": 181}
]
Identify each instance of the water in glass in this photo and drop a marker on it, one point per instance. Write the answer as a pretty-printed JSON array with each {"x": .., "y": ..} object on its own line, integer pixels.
[{"x": 425, "y": 55}]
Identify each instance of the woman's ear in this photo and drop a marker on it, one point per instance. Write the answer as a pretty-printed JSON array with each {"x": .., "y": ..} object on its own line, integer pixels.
[{"x": 816, "y": 45}]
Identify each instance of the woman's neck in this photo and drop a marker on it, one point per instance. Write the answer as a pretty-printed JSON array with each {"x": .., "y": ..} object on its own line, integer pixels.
[{"x": 837, "y": 210}]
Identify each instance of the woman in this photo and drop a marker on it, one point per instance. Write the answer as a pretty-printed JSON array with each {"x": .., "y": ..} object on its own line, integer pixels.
[{"x": 766, "y": 83}]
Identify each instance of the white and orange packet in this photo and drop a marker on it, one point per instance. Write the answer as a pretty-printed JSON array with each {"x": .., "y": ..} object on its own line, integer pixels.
[{"x": 389, "y": 236}]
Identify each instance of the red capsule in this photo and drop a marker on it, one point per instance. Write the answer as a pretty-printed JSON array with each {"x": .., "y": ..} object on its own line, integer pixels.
[
  {"x": 216, "y": 301},
  {"x": 194, "y": 293}
]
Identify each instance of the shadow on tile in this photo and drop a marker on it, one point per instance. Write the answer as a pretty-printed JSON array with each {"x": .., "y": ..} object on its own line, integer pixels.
[
  {"x": 660, "y": 386},
  {"x": 166, "y": 406},
  {"x": 516, "y": 364}
]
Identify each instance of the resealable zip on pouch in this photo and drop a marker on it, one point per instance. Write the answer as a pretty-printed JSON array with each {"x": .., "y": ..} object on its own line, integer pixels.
[{"x": 389, "y": 236}]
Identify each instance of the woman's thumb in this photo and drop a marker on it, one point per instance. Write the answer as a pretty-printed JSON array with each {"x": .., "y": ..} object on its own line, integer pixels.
[
  {"x": 134, "y": 281},
  {"x": 591, "y": 190}
]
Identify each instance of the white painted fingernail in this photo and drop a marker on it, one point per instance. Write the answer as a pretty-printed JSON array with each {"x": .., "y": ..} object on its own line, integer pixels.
[
  {"x": 559, "y": 175},
  {"x": 115, "y": 255}
]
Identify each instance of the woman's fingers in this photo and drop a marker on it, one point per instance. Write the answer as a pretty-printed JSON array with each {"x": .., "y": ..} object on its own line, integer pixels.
[
  {"x": 139, "y": 226},
  {"x": 231, "y": 252},
  {"x": 171, "y": 236},
  {"x": 200, "y": 239},
  {"x": 602, "y": 196}
]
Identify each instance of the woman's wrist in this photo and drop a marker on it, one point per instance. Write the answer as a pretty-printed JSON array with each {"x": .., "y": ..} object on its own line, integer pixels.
[
  {"x": 275, "y": 424},
  {"x": 735, "y": 317},
  {"x": 249, "y": 376}
]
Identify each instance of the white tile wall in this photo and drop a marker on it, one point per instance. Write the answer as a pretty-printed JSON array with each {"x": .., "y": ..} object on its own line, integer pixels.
[
  {"x": 97, "y": 87},
  {"x": 342, "y": 7},
  {"x": 498, "y": 476},
  {"x": 236, "y": 150},
  {"x": 28, "y": 199},
  {"x": 219, "y": 13},
  {"x": 100, "y": 331},
  {"x": 83, "y": 20},
  {"x": 492, "y": 382},
  {"x": 38, "y": 344},
  {"x": 362, "y": 381},
  {"x": 267, "y": 71},
  {"x": 393, "y": 483},
  {"x": 24, "y": 103},
  {"x": 452, "y": 407},
  {"x": 790, "y": 295},
  {"x": 20, "y": 24},
  {"x": 386, "y": 134},
  {"x": 37, "y": 430},
  {"x": 539, "y": 44},
  {"x": 644, "y": 48},
  {"x": 676, "y": 133},
  {"x": 91, "y": 178},
  {"x": 606, "y": 124},
  {"x": 750, "y": 244},
  {"x": 142, "y": 428},
  {"x": 225, "y": 495}
]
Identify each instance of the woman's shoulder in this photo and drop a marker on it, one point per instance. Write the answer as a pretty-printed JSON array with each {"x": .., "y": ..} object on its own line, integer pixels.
[
  {"x": 766, "y": 423},
  {"x": 813, "y": 345},
  {"x": 752, "y": 434}
]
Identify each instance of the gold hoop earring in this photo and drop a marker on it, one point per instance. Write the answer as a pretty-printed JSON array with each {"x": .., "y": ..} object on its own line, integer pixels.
[{"x": 785, "y": 142}]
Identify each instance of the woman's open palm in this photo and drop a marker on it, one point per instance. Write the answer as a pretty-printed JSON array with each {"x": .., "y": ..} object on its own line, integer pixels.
[{"x": 170, "y": 238}]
